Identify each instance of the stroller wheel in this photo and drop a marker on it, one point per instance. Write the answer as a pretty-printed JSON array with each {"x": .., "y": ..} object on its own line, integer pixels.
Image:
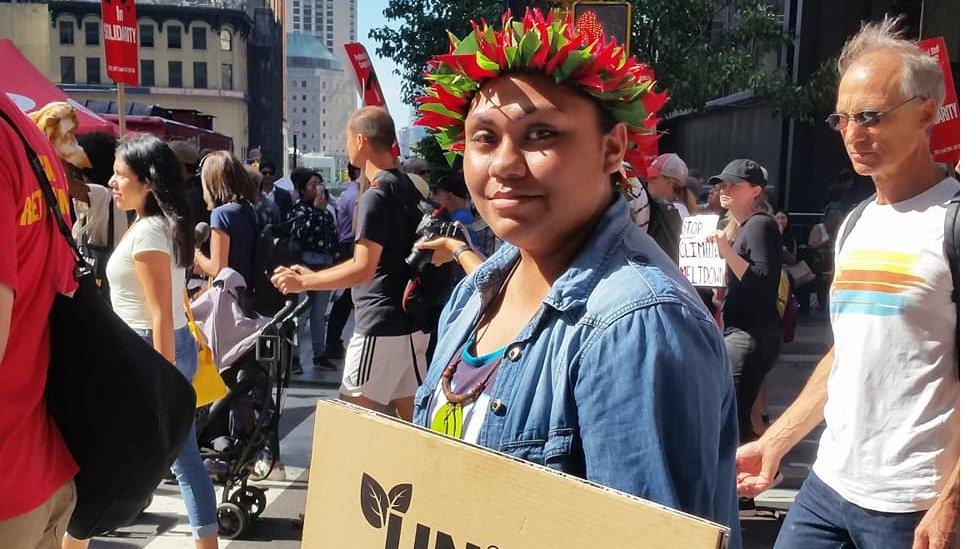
[
  {"x": 231, "y": 520},
  {"x": 251, "y": 499}
]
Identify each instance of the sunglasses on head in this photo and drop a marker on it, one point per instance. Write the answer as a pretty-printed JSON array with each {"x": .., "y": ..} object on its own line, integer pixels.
[{"x": 838, "y": 120}]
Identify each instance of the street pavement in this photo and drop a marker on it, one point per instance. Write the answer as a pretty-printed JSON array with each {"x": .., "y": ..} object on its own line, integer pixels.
[{"x": 164, "y": 526}]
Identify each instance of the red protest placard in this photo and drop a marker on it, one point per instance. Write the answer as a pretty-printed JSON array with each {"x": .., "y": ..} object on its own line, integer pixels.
[
  {"x": 945, "y": 133},
  {"x": 367, "y": 84},
  {"x": 366, "y": 81},
  {"x": 120, "y": 39}
]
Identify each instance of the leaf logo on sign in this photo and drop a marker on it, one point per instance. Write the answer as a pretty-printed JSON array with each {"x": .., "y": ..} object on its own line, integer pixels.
[{"x": 376, "y": 503}]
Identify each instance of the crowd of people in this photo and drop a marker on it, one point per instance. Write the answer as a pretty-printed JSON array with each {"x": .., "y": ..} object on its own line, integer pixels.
[{"x": 553, "y": 323}]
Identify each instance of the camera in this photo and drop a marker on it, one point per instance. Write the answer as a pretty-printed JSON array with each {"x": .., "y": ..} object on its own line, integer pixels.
[{"x": 434, "y": 224}]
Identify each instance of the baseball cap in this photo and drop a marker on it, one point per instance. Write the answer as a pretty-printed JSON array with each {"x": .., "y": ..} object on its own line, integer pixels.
[
  {"x": 451, "y": 183},
  {"x": 185, "y": 152},
  {"x": 741, "y": 169},
  {"x": 420, "y": 184},
  {"x": 669, "y": 165}
]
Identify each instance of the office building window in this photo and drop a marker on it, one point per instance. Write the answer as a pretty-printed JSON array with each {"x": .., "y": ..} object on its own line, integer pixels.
[
  {"x": 174, "y": 37},
  {"x": 304, "y": 83},
  {"x": 66, "y": 30},
  {"x": 226, "y": 76},
  {"x": 91, "y": 33},
  {"x": 199, "y": 75},
  {"x": 67, "y": 70},
  {"x": 146, "y": 36},
  {"x": 93, "y": 70},
  {"x": 176, "y": 74},
  {"x": 303, "y": 110},
  {"x": 225, "y": 41},
  {"x": 304, "y": 98},
  {"x": 304, "y": 122},
  {"x": 199, "y": 38},
  {"x": 147, "y": 72}
]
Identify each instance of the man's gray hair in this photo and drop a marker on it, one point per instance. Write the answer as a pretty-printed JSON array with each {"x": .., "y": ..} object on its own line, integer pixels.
[
  {"x": 921, "y": 73},
  {"x": 415, "y": 164}
]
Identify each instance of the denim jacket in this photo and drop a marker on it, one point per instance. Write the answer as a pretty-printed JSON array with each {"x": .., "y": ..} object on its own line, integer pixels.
[{"x": 621, "y": 377}]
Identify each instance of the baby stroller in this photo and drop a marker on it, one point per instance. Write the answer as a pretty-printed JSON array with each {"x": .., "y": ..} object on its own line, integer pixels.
[{"x": 235, "y": 430}]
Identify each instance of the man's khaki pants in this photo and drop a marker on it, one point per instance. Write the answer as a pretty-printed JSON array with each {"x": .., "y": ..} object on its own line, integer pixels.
[{"x": 43, "y": 527}]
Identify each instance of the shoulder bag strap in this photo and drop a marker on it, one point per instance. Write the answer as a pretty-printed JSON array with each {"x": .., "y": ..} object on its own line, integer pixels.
[{"x": 110, "y": 237}]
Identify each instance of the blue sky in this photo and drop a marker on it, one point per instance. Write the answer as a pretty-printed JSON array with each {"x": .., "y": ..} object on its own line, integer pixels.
[{"x": 371, "y": 15}]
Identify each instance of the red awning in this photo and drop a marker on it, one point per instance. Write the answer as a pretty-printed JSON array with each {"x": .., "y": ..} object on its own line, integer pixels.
[
  {"x": 31, "y": 90},
  {"x": 171, "y": 130}
]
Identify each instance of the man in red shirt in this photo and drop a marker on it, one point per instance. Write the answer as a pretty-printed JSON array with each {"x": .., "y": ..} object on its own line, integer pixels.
[{"x": 37, "y": 493}]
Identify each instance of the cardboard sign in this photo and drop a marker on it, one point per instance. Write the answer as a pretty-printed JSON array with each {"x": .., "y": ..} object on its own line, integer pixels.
[
  {"x": 698, "y": 260},
  {"x": 121, "y": 42},
  {"x": 380, "y": 483},
  {"x": 945, "y": 133}
]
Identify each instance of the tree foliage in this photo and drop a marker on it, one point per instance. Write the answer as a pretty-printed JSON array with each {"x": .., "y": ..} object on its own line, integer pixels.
[{"x": 694, "y": 59}]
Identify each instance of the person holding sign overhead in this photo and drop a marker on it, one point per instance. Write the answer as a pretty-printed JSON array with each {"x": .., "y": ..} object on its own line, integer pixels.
[
  {"x": 751, "y": 247},
  {"x": 578, "y": 345}
]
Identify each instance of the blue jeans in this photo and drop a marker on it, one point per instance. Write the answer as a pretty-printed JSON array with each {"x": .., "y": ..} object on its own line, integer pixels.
[
  {"x": 318, "y": 311},
  {"x": 821, "y": 519},
  {"x": 195, "y": 486}
]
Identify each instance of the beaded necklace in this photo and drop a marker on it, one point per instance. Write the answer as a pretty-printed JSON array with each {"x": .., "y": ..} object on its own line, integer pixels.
[{"x": 449, "y": 418}]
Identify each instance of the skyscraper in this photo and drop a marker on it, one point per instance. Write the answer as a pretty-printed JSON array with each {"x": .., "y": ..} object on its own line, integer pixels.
[{"x": 332, "y": 21}]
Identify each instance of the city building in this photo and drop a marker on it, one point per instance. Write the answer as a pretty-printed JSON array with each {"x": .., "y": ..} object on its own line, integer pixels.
[
  {"x": 407, "y": 137},
  {"x": 332, "y": 21},
  {"x": 320, "y": 97},
  {"x": 191, "y": 56},
  {"x": 221, "y": 58}
]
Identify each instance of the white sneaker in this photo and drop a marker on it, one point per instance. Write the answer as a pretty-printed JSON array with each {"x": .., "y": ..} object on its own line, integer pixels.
[{"x": 264, "y": 469}]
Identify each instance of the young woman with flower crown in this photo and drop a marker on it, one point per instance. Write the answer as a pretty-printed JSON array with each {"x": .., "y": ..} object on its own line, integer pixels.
[{"x": 578, "y": 345}]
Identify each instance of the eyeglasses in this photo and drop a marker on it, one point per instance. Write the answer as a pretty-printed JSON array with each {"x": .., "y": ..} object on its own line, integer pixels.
[
  {"x": 266, "y": 172},
  {"x": 838, "y": 120}
]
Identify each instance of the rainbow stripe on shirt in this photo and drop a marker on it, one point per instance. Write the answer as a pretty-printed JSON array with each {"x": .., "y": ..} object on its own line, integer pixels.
[{"x": 874, "y": 282}]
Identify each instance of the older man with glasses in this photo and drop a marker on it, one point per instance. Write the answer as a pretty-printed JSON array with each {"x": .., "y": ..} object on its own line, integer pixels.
[{"x": 887, "y": 470}]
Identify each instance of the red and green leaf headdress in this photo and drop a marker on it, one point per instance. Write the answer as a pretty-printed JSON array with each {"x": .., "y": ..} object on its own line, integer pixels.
[{"x": 541, "y": 44}]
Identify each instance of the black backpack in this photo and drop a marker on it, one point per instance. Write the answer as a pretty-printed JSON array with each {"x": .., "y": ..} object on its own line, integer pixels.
[
  {"x": 274, "y": 247},
  {"x": 664, "y": 225},
  {"x": 950, "y": 247},
  {"x": 426, "y": 290}
]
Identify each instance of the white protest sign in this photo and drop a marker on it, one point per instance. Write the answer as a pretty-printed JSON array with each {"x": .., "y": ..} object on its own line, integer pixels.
[{"x": 699, "y": 260}]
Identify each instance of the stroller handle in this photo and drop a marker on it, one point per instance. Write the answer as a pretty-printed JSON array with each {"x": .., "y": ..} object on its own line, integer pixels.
[{"x": 292, "y": 308}]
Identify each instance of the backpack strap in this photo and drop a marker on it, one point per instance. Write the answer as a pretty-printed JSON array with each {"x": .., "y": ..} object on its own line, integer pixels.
[
  {"x": 852, "y": 220},
  {"x": 950, "y": 245}
]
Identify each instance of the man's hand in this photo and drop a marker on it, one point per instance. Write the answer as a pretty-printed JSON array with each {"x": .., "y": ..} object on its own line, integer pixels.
[
  {"x": 939, "y": 528},
  {"x": 756, "y": 465},
  {"x": 288, "y": 280},
  {"x": 443, "y": 248}
]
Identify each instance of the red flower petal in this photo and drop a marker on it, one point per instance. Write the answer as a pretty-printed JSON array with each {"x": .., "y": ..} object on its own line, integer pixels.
[
  {"x": 436, "y": 121},
  {"x": 562, "y": 54},
  {"x": 467, "y": 64}
]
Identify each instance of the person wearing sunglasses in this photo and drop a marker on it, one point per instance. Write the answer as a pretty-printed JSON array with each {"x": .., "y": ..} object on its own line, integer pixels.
[{"x": 887, "y": 469}]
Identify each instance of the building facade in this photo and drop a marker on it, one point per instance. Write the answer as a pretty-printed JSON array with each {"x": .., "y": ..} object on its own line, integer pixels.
[
  {"x": 191, "y": 56},
  {"x": 320, "y": 97},
  {"x": 332, "y": 21}
]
